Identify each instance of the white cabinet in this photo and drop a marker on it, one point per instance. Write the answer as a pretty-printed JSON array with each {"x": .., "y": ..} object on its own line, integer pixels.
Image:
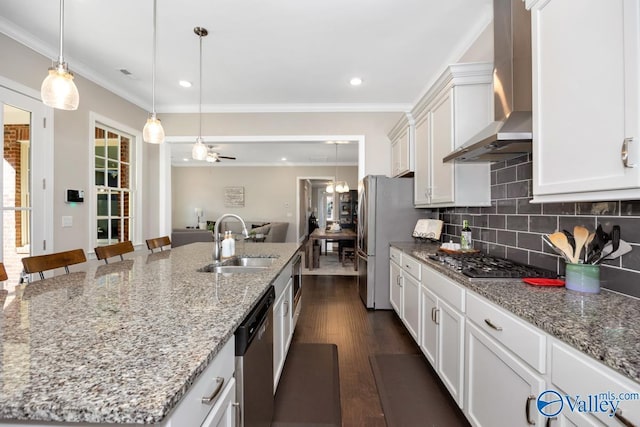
[
  {"x": 459, "y": 105},
  {"x": 401, "y": 137},
  {"x": 501, "y": 389},
  {"x": 442, "y": 330},
  {"x": 404, "y": 290},
  {"x": 210, "y": 401},
  {"x": 282, "y": 322},
  {"x": 223, "y": 414},
  {"x": 586, "y": 93},
  {"x": 578, "y": 375},
  {"x": 395, "y": 287}
]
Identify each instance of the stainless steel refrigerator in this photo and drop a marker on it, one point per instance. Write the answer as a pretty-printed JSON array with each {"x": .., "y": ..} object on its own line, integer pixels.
[{"x": 385, "y": 214}]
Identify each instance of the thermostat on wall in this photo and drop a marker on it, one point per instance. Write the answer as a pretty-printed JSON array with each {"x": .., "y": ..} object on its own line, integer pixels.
[{"x": 73, "y": 196}]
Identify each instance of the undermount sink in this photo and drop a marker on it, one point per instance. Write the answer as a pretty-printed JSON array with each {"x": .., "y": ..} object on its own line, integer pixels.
[{"x": 239, "y": 265}]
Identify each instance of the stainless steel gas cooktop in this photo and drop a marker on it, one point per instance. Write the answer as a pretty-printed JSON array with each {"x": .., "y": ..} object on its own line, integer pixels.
[{"x": 483, "y": 266}]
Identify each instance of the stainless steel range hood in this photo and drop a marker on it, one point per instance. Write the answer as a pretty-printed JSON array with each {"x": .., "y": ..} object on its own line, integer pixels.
[{"x": 510, "y": 135}]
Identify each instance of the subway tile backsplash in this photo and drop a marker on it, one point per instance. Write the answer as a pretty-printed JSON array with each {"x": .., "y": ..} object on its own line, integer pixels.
[{"x": 512, "y": 227}]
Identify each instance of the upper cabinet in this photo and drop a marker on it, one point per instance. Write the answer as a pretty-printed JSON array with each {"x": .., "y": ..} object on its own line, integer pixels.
[
  {"x": 459, "y": 105},
  {"x": 401, "y": 137},
  {"x": 586, "y": 87}
]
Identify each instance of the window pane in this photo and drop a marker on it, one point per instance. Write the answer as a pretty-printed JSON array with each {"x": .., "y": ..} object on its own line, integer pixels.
[
  {"x": 115, "y": 231},
  {"x": 115, "y": 203},
  {"x": 126, "y": 203},
  {"x": 124, "y": 149},
  {"x": 112, "y": 145},
  {"x": 124, "y": 176},
  {"x": 101, "y": 142},
  {"x": 103, "y": 229},
  {"x": 112, "y": 174},
  {"x": 125, "y": 230},
  {"x": 102, "y": 207}
]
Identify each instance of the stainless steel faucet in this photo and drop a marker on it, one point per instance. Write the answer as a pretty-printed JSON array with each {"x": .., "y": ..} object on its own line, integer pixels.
[{"x": 216, "y": 234}]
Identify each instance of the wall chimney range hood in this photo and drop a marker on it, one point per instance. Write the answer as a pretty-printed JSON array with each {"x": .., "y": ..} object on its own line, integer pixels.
[{"x": 510, "y": 135}]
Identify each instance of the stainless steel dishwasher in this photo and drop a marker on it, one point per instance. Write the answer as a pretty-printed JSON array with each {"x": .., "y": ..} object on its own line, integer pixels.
[{"x": 254, "y": 364}]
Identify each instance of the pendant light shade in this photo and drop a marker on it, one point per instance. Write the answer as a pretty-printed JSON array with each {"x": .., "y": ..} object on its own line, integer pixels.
[
  {"x": 199, "y": 150},
  {"x": 153, "y": 132},
  {"x": 335, "y": 185},
  {"x": 58, "y": 89}
]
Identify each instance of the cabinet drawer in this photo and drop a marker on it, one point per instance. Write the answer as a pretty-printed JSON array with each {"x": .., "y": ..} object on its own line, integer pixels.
[
  {"x": 522, "y": 339},
  {"x": 191, "y": 411},
  {"x": 411, "y": 266},
  {"x": 577, "y": 374},
  {"x": 395, "y": 255},
  {"x": 444, "y": 288}
]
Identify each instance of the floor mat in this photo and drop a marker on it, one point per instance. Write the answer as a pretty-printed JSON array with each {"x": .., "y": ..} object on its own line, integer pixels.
[
  {"x": 309, "y": 390},
  {"x": 410, "y": 393}
]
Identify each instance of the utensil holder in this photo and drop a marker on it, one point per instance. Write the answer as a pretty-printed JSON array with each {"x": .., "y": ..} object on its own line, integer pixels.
[{"x": 582, "y": 278}]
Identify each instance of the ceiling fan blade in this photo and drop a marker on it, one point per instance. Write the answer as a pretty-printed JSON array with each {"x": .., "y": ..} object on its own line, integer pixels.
[{"x": 226, "y": 157}]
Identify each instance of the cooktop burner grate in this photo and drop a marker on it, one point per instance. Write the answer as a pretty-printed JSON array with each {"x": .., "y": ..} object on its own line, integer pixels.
[{"x": 482, "y": 266}]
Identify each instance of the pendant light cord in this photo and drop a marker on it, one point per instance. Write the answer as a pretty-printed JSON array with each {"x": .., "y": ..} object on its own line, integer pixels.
[
  {"x": 335, "y": 178},
  {"x": 153, "y": 60},
  {"x": 200, "y": 101},
  {"x": 61, "y": 58}
]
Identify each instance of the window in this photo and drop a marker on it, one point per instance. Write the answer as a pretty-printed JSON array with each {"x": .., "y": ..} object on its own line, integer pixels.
[{"x": 113, "y": 185}]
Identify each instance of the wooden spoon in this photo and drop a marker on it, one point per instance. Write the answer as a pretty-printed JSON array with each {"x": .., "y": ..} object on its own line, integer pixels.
[
  {"x": 559, "y": 239},
  {"x": 580, "y": 234},
  {"x": 586, "y": 246}
]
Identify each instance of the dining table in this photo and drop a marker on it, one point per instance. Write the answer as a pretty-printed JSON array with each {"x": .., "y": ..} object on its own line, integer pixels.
[{"x": 324, "y": 234}]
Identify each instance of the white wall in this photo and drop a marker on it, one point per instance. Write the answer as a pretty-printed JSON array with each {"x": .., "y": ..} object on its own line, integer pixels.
[{"x": 270, "y": 192}]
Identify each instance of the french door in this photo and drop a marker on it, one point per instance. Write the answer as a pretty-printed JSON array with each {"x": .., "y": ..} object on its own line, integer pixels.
[{"x": 26, "y": 171}]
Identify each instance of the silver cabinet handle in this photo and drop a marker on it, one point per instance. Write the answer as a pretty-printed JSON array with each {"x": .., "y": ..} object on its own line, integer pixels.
[
  {"x": 212, "y": 397},
  {"x": 436, "y": 319},
  {"x": 433, "y": 314},
  {"x": 527, "y": 405},
  {"x": 624, "y": 153},
  {"x": 286, "y": 312},
  {"x": 492, "y": 325},
  {"x": 548, "y": 423},
  {"x": 400, "y": 280},
  {"x": 626, "y": 422}
]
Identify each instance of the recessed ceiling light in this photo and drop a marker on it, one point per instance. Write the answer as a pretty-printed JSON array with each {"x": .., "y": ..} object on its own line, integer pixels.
[
  {"x": 284, "y": 159},
  {"x": 356, "y": 81},
  {"x": 185, "y": 159},
  {"x": 184, "y": 83}
]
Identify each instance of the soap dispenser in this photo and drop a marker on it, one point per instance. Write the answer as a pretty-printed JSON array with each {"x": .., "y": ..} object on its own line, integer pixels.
[{"x": 226, "y": 245}]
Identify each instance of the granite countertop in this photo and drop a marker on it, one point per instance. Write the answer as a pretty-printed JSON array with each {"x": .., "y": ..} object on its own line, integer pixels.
[
  {"x": 605, "y": 326},
  {"x": 123, "y": 342}
]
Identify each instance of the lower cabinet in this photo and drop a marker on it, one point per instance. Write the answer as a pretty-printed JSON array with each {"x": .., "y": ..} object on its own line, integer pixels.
[
  {"x": 442, "y": 330},
  {"x": 501, "y": 389},
  {"x": 282, "y": 329},
  {"x": 210, "y": 401},
  {"x": 224, "y": 412},
  {"x": 496, "y": 366}
]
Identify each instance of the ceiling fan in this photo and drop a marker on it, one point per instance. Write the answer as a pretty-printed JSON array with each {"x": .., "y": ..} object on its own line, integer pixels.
[{"x": 213, "y": 157}]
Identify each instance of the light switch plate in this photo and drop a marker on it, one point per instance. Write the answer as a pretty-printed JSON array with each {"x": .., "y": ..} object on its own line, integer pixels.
[{"x": 67, "y": 221}]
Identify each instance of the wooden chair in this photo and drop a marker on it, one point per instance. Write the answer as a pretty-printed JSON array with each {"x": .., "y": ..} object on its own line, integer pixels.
[
  {"x": 158, "y": 242},
  {"x": 41, "y": 263},
  {"x": 120, "y": 248},
  {"x": 3, "y": 273}
]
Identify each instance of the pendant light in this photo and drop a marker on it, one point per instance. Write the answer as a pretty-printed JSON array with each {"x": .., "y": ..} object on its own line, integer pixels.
[
  {"x": 335, "y": 185},
  {"x": 153, "y": 132},
  {"x": 199, "y": 150},
  {"x": 58, "y": 89}
]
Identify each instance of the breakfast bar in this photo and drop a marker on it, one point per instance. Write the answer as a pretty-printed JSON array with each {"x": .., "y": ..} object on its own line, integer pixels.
[{"x": 122, "y": 343}]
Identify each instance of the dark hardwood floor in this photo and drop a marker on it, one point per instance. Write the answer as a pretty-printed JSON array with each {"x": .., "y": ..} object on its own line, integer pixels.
[{"x": 332, "y": 312}]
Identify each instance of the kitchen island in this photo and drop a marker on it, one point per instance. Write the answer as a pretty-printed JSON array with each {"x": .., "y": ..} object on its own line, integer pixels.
[{"x": 122, "y": 343}]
